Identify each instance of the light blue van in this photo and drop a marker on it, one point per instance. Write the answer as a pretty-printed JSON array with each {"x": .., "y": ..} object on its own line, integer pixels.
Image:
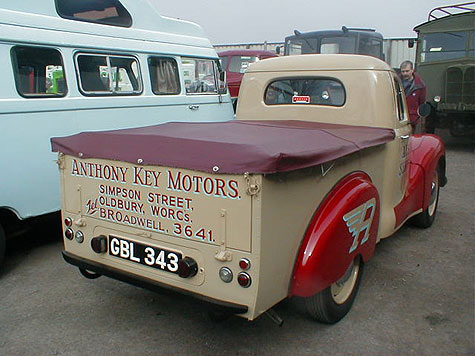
[{"x": 85, "y": 65}]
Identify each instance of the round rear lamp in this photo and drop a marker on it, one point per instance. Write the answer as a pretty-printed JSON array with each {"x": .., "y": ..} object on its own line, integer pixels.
[
  {"x": 437, "y": 99},
  {"x": 226, "y": 274},
  {"x": 244, "y": 279},
  {"x": 69, "y": 233},
  {"x": 244, "y": 263},
  {"x": 187, "y": 267},
  {"x": 79, "y": 236},
  {"x": 99, "y": 244},
  {"x": 68, "y": 222}
]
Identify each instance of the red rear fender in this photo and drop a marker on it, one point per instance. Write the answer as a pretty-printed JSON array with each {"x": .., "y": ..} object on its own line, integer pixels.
[{"x": 344, "y": 226}]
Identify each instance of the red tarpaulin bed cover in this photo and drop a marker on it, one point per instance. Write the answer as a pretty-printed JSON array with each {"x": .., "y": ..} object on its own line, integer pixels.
[{"x": 226, "y": 147}]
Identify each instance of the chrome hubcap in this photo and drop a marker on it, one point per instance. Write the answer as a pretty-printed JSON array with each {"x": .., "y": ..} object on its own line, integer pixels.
[
  {"x": 434, "y": 190},
  {"x": 341, "y": 289}
]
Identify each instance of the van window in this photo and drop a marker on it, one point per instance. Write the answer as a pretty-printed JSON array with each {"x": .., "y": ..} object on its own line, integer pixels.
[
  {"x": 38, "y": 72},
  {"x": 108, "y": 75},
  {"x": 199, "y": 74},
  {"x": 316, "y": 91},
  {"x": 164, "y": 76},
  {"x": 107, "y": 12}
]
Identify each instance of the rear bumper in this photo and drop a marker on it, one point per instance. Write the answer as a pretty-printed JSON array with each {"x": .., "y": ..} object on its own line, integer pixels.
[{"x": 147, "y": 283}]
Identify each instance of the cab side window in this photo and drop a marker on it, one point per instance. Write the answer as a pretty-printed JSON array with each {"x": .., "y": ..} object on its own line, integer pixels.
[
  {"x": 39, "y": 72},
  {"x": 200, "y": 75},
  {"x": 164, "y": 76},
  {"x": 108, "y": 75},
  {"x": 400, "y": 97}
]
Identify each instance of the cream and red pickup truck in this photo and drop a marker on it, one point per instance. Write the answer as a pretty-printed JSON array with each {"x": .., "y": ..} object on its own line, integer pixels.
[{"x": 288, "y": 200}]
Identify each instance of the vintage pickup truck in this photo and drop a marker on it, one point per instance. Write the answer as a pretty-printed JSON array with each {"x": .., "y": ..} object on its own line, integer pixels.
[{"x": 288, "y": 200}]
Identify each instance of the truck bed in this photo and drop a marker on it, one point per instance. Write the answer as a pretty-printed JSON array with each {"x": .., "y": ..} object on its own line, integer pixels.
[{"x": 231, "y": 147}]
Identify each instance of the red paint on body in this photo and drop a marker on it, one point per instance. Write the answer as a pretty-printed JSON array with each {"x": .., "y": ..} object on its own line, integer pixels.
[
  {"x": 325, "y": 252},
  {"x": 424, "y": 154}
]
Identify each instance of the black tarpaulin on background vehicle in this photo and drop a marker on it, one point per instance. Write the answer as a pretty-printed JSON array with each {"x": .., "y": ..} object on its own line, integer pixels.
[{"x": 226, "y": 147}]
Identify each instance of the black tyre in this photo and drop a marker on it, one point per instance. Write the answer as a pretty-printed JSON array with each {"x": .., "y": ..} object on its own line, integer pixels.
[
  {"x": 2, "y": 245},
  {"x": 89, "y": 274},
  {"x": 427, "y": 217},
  {"x": 332, "y": 304}
]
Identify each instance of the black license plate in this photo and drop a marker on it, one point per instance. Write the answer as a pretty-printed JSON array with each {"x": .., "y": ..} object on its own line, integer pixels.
[{"x": 143, "y": 254}]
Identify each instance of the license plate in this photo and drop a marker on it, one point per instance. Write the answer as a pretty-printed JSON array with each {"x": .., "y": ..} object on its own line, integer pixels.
[{"x": 143, "y": 254}]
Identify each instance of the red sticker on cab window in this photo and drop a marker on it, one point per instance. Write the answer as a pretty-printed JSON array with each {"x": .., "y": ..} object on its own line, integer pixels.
[{"x": 300, "y": 99}]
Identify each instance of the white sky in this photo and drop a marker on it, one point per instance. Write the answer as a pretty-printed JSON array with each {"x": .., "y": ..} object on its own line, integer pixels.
[{"x": 245, "y": 21}]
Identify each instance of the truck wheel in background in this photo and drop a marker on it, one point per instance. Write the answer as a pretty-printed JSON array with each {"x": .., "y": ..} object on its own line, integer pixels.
[
  {"x": 89, "y": 274},
  {"x": 334, "y": 302},
  {"x": 430, "y": 124},
  {"x": 427, "y": 217},
  {"x": 2, "y": 244}
]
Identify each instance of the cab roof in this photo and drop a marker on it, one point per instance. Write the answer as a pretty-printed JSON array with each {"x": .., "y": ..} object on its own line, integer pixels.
[
  {"x": 317, "y": 62},
  {"x": 247, "y": 52}
]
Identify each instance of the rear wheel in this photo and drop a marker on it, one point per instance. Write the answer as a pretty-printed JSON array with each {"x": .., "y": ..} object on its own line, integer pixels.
[
  {"x": 2, "y": 244},
  {"x": 333, "y": 303},
  {"x": 427, "y": 217}
]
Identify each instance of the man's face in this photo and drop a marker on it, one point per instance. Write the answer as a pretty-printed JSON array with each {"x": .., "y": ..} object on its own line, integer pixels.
[{"x": 406, "y": 72}]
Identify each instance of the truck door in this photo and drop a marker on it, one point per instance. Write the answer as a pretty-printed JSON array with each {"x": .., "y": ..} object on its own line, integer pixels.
[{"x": 403, "y": 133}]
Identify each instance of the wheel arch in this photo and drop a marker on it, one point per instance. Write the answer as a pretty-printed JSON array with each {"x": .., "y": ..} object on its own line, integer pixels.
[{"x": 328, "y": 246}]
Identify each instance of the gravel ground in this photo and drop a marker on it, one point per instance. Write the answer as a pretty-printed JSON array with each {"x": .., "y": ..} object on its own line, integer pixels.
[{"x": 416, "y": 298}]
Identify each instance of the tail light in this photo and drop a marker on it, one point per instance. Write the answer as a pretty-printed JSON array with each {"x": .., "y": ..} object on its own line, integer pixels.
[
  {"x": 79, "y": 236},
  {"x": 68, "y": 222},
  {"x": 187, "y": 267},
  {"x": 69, "y": 233},
  {"x": 244, "y": 279},
  {"x": 99, "y": 244},
  {"x": 226, "y": 274},
  {"x": 244, "y": 263}
]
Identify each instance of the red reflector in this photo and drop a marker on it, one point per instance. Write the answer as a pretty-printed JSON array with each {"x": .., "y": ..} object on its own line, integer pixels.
[
  {"x": 244, "y": 263},
  {"x": 244, "y": 279},
  {"x": 69, "y": 233},
  {"x": 68, "y": 222}
]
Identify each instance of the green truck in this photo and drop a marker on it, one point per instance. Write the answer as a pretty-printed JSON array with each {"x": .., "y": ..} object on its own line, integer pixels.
[{"x": 445, "y": 60}]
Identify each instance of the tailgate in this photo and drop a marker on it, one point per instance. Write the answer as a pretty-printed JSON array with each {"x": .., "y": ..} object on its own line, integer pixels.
[{"x": 180, "y": 205}]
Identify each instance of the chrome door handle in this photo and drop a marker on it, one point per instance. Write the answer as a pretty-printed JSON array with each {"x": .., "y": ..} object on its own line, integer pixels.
[
  {"x": 405, "y": 137},
  {"x": 193, "y": 107}
]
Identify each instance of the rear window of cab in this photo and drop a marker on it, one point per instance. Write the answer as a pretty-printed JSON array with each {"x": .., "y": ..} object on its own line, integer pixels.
[{"x": 310, "y": 91}]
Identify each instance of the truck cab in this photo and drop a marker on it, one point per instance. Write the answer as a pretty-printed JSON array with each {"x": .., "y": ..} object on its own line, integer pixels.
[
  {"x": 235, "y": 64},
  {"x": 345, "y": 41}
]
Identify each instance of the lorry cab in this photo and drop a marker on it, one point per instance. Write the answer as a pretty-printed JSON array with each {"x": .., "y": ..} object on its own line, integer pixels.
[
  {"x": 76, "y": 65},
  {"x": 345, "y": 41}
]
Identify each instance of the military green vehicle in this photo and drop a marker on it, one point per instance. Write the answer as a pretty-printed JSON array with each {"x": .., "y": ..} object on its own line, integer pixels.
[{"x": 446, "y": 62}]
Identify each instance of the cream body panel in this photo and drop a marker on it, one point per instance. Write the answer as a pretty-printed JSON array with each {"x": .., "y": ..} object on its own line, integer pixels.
[
  {"x": 360, "y": 108},
  {"x": 266, "y": 227},
  {"x": 272, "y": 223},
  {"x": 370, "y": 101}
]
